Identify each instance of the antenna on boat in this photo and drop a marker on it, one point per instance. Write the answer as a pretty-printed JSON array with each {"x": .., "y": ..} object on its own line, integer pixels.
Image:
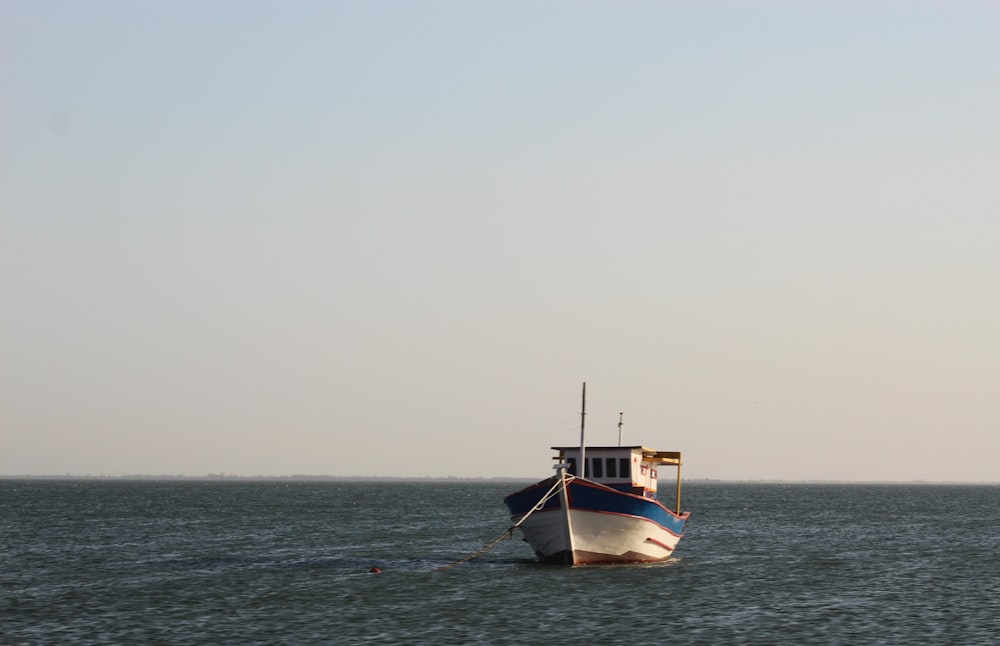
[
  {"x": 620, "y": 416},
  {"x": 583, "y": 446}
]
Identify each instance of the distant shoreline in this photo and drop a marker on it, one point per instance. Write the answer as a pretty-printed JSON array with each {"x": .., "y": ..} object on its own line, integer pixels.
[
  {"x": 293, "y": 478},
  {"x": 451, "y": 479}
]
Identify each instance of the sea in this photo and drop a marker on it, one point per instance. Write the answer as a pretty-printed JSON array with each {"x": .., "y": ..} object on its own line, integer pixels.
[{"x": 113, "y": 561}]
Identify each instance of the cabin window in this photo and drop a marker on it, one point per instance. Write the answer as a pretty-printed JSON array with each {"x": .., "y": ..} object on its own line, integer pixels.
[
  {"x": 624, "y": 469},
  {"x": 586, "y": 468},
  {"x": 572, "y": 466},
  {"x": 598, "y": 467},
  {"x": 611, "y": 464}
]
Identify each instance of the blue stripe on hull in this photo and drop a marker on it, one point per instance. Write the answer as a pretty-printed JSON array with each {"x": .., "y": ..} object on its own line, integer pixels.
[
  {"x": 591, "y": 496},
  {"x": 594, "y": 497},
  {"x": 521, "y": 502}
]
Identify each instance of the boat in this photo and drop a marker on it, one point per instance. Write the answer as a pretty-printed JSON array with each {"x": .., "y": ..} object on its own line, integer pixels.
[{"x": 611, "y": 513}]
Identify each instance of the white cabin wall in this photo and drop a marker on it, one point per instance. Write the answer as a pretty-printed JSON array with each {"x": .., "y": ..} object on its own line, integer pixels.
[
  {"x": 632, "y": 458},
  {"x": 642, "y": 474},
  {"x": 650, "y": 476}
]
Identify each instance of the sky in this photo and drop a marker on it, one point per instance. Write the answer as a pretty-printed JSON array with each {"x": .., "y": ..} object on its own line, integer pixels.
[{"x": 394, "y": 238}]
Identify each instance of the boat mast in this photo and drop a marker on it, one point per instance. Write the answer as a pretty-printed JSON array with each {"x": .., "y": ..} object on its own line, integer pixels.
[
  {"x": 582, "y": 470},
  {"x": 620, "y": 415}
]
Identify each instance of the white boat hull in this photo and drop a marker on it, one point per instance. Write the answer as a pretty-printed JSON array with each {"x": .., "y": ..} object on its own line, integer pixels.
[
  {"x": 578, "y": 521},
  {"x": 597, "y": 537}
]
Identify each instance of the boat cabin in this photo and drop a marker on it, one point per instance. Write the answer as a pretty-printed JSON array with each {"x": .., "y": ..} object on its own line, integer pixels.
[{"x": 631, "y": 469}]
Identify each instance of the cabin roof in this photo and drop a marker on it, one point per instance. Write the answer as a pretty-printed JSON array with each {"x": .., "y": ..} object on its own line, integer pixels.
[{"x": 576, "y": 447}]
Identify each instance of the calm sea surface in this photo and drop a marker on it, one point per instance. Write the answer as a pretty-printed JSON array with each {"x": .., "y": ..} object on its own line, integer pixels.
[{"x": 187, "y": 562}]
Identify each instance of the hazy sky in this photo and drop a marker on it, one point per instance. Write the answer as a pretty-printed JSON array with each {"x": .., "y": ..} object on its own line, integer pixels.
[{"x": 376, "y": 238}]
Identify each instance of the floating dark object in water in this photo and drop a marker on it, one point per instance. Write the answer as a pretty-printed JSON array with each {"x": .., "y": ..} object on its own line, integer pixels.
[{"x": 375, "y": 570}]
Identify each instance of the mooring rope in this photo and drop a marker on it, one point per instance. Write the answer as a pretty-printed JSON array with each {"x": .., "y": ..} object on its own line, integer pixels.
[{"x": 510, "y": 530}]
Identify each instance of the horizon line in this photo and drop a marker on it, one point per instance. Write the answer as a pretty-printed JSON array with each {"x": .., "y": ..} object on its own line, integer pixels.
[{"x": 221, "y": 477}]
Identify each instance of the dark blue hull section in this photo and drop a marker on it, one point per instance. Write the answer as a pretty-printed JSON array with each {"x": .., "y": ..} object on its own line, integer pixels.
[{"x": 590, "y": 496}]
